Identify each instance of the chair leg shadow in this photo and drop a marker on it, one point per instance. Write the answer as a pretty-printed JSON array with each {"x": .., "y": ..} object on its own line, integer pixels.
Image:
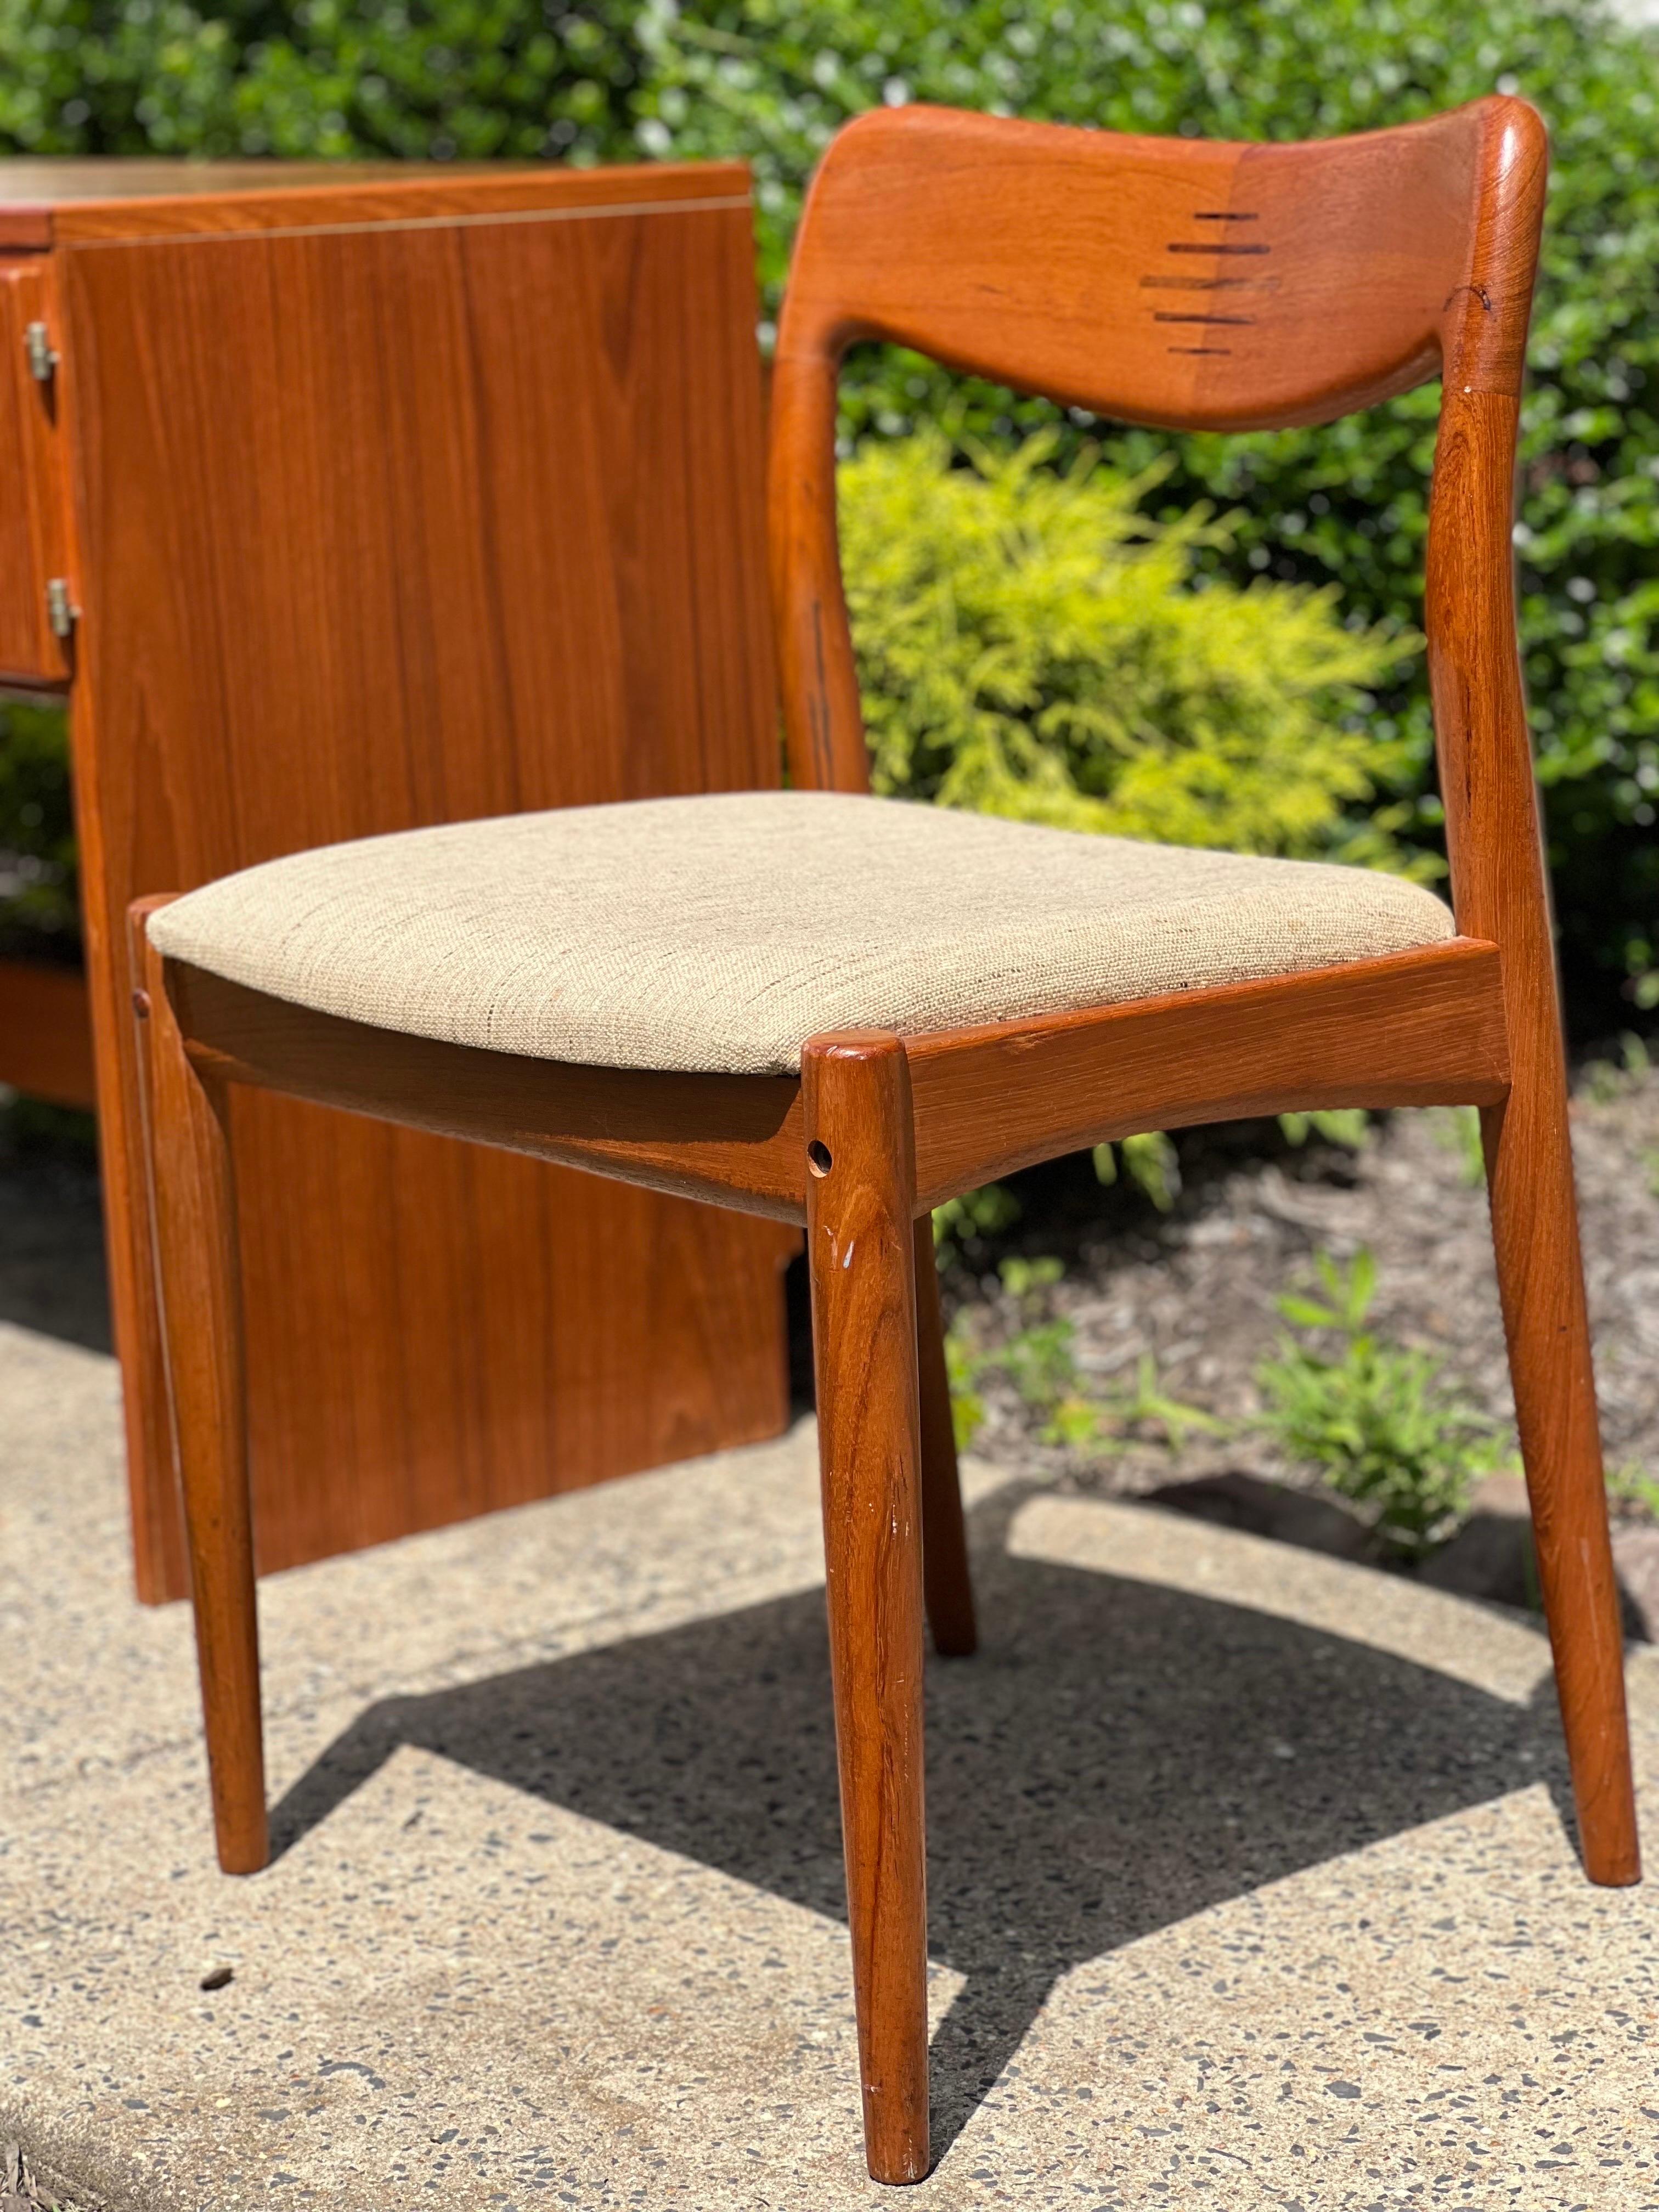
[{"x": 1118, "y": 1757}]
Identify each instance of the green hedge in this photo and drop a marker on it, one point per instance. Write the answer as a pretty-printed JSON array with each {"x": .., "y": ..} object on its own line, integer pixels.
[
  {"x": 1031, "y": 644},
  {"x": 771, "y": 79},
  {"x": 36, "y": 838}
]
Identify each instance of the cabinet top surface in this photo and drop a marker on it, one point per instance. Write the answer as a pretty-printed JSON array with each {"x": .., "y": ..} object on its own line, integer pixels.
[
  {"x": 52, "y": 182},
  {"x": 65, "y": 202}
]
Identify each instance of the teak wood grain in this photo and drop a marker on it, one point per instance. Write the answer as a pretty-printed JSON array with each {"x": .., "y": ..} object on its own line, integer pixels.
[
  {"x": 193, "y": 1188},
  {"x": 1255, "y": 286},
  {"x": 35, "y": 516},
  {"x": 400, "y": 500},
  {"x": 35, "y": 195},
  {"x": 860, "y": 1250},
  {"x": 733, "y": 1138},
  {"x": 126, "y": 203},
  {"x": 1327, "y": 277},
  {"x": 45, "y": 1033},
  {"x": 1418, "y": 1029},
  {"x": 1499, "y": 883}
]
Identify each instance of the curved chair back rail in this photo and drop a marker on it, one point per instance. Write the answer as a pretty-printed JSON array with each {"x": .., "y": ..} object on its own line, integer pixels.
[{"x": 1184, "y": 282}]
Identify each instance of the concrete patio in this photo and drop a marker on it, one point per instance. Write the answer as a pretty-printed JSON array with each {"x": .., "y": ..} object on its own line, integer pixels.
[{"x": 1250, "y": 1884}]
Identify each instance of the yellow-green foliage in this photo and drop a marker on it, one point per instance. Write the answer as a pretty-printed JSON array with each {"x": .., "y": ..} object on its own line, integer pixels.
[{"x": 1029, "y": 644}]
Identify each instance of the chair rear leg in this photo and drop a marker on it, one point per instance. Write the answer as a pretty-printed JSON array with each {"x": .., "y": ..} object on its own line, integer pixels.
[
  {"x": 946, "y": 1580},
  {"x": 862, "y": 1259},
  {"x": 194, "y": 1201},
  {"x": 1542, "y": 1284}
]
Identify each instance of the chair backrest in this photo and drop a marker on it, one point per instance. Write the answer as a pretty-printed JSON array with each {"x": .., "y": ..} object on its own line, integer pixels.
[{"x": 1180, "y": 283}]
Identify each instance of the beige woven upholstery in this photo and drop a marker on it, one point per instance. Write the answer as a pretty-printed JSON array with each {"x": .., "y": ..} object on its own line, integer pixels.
[{"x": 720, "y": 932}]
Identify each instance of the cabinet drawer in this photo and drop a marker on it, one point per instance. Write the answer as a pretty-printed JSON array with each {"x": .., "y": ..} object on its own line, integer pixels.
[{"x": 34, "y": 531}]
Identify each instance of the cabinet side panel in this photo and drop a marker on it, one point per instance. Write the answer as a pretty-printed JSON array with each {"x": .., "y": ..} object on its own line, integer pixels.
[{"x": 393, "y": 527}]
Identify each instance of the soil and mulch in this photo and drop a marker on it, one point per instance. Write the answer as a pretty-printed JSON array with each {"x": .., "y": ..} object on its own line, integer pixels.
[
  {"x": 21, "y": 2186},
  {"x": 1196, "y": 1290}
]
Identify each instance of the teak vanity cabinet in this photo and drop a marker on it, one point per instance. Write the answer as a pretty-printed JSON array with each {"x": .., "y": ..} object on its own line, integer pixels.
[{"x": 354, "y": 501}]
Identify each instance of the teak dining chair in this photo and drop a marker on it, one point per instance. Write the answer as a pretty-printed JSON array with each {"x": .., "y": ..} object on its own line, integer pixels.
[{"x": 841, "y": 1010}]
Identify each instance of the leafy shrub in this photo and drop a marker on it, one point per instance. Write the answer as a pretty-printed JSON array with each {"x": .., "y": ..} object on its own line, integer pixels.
[
  {"x": 1373, "y": 1418},
  {"x": 464, "y": 80},
  {"x": 771, "y": 80},
  {"x": 1031, "y": 644},
  {"x": 37, "y": 833}
]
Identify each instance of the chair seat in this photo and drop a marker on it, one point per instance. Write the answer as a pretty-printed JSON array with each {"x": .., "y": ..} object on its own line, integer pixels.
[{"x": 718, "y": 934}]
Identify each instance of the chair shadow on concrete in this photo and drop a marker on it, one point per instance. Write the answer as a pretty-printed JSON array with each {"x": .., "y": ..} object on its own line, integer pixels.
[{"x": 1117, "y": 1757}]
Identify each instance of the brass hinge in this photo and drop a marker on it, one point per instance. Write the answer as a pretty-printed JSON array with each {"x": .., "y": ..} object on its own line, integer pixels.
[
  {"x": 41, "y": 354},
  {"x": 62, "y": 613}
]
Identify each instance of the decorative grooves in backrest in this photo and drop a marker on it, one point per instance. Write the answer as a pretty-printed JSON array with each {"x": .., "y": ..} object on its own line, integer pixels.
[
  {"x": 1182, "y": 283},
  {"x": 1211, "y": 305}
]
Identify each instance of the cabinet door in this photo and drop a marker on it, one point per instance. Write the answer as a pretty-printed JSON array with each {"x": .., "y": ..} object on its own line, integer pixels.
[
  {"x": 32, "y": 518},
  {"x": 394, "y": 523}
]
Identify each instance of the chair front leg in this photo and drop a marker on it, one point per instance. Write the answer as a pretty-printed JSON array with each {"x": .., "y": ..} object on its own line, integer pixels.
[
  {"x": 194, "y": 1199},
  {"x": 1542, "y": 1284},
  {"x": 861, "y": 1196}
]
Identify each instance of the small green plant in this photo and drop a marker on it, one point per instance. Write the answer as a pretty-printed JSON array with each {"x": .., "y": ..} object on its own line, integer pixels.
[
  {"x": 1602, "y": 1082},
  {"x": 976, "y": 1213},
  {"x": 1651, "y": 1165},
  {"x": 1373, "y": 1416},
  {"x": 1630, "y": 1487},
  {"x": 1151, "y": 1162},
  {"x": 1457, "y": 1129},
  {"x": 961, "y": 1371},
  {"x": 1348, "y": 1126},
  {"x": 1147, "y": 1404},
  {"x": 1027, "y": 1281},
  {"x": 1144, "y": 1412},
  {"x": 1039, "y": 1359}
]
